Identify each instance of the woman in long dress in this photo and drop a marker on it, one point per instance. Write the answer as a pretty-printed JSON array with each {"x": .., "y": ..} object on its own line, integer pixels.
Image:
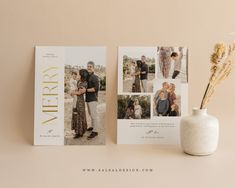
[
  {"x": 130, "y": 110},
  {"x": 137, "y": 77},
  {"x": 79, "y": 122},
  {"x": 165, "y": 60}
]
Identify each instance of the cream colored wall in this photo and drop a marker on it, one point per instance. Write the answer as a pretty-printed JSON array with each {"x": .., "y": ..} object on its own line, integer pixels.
[{"x": 23, "y": 24}]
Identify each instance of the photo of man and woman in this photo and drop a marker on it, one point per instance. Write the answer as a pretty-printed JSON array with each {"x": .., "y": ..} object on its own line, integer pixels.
[
  {"x": 84, "y": 93},
  {"x": 167, "y": 98},
  {"x": 138, "y": 68},
  {"x": 133, "y": 107},
  {"x": 172, "y": 63}
]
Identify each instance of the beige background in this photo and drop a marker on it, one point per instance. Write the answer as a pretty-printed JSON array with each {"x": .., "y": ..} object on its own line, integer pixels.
[{"x": 26, "y": 23}]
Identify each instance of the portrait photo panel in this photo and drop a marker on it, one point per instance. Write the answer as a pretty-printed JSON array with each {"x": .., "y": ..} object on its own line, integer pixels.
[
  {"x": 133, "y": 107},
  {"x": 172, "y": 63},
  {"x": 84, "y": 95},
  {"x": 167, "y": 98},
  {"x": 137, "y": 69}
]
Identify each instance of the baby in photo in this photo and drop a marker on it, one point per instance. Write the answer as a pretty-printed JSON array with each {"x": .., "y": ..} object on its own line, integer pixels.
[{"x": 138, "y": 109}]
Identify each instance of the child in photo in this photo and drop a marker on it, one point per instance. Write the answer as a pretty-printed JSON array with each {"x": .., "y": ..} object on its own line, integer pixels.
[
  {"x": 174, "y": 109},
  {"x": 73, "y": 87},
  {"x": 162, "y": 105},
  {"x": 165, "y": 87},
  {"x": 138, "y": 109},
  {"x": 177, "y": 62},
  {"x": 134, "y": 107},
  {"x": 132, "y": 71}
]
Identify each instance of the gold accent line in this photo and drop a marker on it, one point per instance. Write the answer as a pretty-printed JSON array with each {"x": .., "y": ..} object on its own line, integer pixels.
[
  {"x": 44, "y": 122},
  {"x": 50, "y": 69}
]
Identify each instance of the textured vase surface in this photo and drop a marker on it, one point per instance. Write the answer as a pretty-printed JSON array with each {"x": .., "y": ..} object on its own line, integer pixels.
[{"x": 199, "y": 133}]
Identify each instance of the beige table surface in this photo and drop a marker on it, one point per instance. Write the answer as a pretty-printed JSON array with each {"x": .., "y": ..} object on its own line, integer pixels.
[{"x": 195, "y": 24}]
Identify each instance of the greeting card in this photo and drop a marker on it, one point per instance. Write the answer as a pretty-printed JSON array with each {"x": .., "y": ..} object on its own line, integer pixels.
[
  {"x": 70, "y": 90},
  {"x": 152, "y": 94}
]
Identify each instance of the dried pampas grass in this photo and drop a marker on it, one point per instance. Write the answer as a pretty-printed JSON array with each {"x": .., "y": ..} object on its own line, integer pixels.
[{"x": 222, "y": 61}]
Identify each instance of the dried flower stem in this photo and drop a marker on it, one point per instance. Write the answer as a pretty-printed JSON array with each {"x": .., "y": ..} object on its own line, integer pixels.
[
  {"x": 201, "y": 106},
  {"x": 222, "y": 60}
]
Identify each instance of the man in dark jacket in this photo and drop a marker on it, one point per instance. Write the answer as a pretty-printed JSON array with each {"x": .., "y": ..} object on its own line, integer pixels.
[
  {"x": 144, "y": 73},
  {"x": 92, "y": 98}
]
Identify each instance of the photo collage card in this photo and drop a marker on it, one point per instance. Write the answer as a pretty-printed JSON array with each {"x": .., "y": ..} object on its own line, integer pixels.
[{"x": 152, "y": 94}]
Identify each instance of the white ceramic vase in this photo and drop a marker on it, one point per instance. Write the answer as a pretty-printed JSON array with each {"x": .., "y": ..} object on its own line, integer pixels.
[{"x": 199, "y": 133}]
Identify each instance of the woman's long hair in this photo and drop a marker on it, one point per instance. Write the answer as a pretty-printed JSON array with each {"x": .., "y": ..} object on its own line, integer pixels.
[
  {"x": 83, "y": 75},
  {"x": 139, "y": 63},
  {"x": 172, "y": 89}
]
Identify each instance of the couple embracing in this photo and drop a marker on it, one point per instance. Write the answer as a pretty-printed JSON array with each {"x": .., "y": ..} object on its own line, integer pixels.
[
  {"x": 88, "y": 86},
  {"x": 139, "y": 73}
]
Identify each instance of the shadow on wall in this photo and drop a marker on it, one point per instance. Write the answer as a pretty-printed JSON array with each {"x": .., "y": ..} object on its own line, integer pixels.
[{"x": 26, "y": 115}]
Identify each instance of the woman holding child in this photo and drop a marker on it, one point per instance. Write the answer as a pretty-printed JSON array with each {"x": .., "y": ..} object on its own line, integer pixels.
[
  {"x": 173, "y": 107},
  {"x": 165, "y": 100},
  {"x": 136, "y": 86},
  {"x": 79, "y": 123},
  {"x": 134, "y": 109}
]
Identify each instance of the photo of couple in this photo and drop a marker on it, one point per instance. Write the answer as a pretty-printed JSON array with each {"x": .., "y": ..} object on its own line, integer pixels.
[
  {"x": 167, "y": 100},
  {"x": 173, "y": 63},
  {"x": 133, "y": 107},
  {"x": 138, "y": 68},
  {"x": 84, "y": 103}
]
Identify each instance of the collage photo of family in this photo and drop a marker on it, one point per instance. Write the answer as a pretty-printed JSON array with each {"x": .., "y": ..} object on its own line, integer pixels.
[
  {"x": 167, "y": 98},
  {"x": 151, "y": 81}
]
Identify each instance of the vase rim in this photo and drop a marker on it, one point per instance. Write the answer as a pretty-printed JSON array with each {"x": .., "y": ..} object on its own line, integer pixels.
[{"x": 198, "y": 111}]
